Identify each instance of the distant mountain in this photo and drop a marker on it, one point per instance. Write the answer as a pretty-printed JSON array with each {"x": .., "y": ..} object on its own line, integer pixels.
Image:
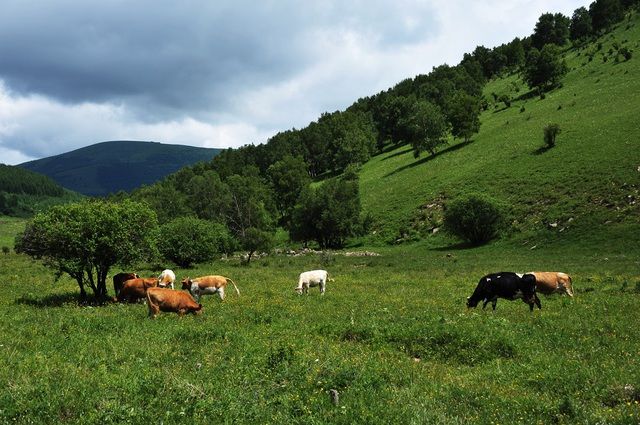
[{"x": 109, "y": 167}]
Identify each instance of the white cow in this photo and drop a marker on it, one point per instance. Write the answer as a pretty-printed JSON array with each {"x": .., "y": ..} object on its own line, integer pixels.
[
  {"x": 166, "y": 278},
  {"x": 312, "y": 278}
]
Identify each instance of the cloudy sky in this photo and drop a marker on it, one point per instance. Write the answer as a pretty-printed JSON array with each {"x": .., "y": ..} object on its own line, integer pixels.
[{"x": 220, "y": 73}]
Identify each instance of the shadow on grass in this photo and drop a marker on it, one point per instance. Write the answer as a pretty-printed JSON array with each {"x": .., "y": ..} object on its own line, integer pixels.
[
  {"x": 541, "y": 150},
  {"x": 454, "y": 247},
  {"x": 429, "y": 158},
  {"x": 59, "y": 300},
  {"x": 393, "y": 155}
]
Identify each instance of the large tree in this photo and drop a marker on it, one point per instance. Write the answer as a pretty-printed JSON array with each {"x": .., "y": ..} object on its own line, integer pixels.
[
  {"x": 425, "y": 127},
  {"x": 288, "y": 177},
  {"x": 84, "y": 240},
  {"x": 463, "y": 112},
  {"x": 605, "y": 13},
  {"x": 545, "y": 68},
  {"x": 580, "y": 27}
]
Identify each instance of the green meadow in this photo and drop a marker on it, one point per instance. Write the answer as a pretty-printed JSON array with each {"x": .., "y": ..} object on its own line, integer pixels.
[{"x": 392, "y": 335}]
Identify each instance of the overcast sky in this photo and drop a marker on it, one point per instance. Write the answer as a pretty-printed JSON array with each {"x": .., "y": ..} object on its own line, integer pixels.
[{"x": 220, "y": 73}]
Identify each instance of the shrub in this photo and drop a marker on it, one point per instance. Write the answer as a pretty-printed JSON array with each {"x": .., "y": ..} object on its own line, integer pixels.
[
  {"x": 625, "y": 52},
  {"x": 550, "y": 133},
  {"x": 188, "y": 240},
  {"x": 5, "y": 250},
  {"x": 475, "y": 218}
]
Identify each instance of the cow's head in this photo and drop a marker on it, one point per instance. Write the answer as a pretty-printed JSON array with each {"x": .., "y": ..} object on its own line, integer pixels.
[
  {"x": 298, "y": 289},
  {"x": 186, "y": 283},
  {"x": 471, "y": 302}
]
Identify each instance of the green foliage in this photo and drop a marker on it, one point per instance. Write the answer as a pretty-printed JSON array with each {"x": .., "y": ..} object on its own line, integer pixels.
[
  {"x": 328, "y": 214},
  {"x": 84, "y": 240},
  {"x": 625, "y": 52},
  {"x": 167, "y": 202},
  {"x": 580, "y": 27},
  {"x": 288, "y": 177},
  {"x": 475, "y": 218},
  {"x": 20, "y": 181},
  {"x": 544, "y": 69},
  {"x": 6, "y": 250},
  {"x": 550, "y": 29},
  {"x": 424, "y": 127},
  {"x": 188, "y": 240},
  {"x": 463, "y": 112},
  {"x": 605, "y": 13},
  {"x": 551, "y": 131}
]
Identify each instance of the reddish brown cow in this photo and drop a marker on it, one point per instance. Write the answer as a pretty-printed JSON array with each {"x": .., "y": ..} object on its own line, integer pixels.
[
  {"x": 120, "y": 279},
  {"x": 136, "y": 289},
  {"x": 164, "y": 299}
]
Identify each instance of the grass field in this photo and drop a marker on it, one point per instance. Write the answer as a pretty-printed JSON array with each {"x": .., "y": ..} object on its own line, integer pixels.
[{"x": 392, "y": 336}]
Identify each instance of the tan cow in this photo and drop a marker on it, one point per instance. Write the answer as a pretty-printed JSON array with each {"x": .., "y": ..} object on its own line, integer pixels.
[
  {"x": 206, "y": 285},
  {"x": 166, "y": 278},
  {"x": 164, "y": 299},
  {"x": 553, "y": 282},
  {"x": 120, "y": 279},
  {"x": 136, "y": 289}
]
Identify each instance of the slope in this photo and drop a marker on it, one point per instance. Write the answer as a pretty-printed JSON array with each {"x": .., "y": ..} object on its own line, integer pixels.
[
  {"x": 585, "y": 188},
  {"x": 109, "y": 167}
]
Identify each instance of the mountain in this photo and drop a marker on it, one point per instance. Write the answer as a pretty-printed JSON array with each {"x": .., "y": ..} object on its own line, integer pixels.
[{"x": 109, "y": 167}]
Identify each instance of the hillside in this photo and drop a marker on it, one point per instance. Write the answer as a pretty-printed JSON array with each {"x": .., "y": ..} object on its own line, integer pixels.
[
  {"x": 584, "y": 189},
  {"x": 23, "y": 192},
  {"x": 109, "y": 167}
]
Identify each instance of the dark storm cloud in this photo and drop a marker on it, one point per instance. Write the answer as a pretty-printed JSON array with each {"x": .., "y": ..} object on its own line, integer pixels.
[{"x": 164, "y": 58}]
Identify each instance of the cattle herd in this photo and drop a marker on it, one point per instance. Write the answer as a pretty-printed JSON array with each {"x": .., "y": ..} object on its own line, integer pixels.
[{"x": 160, "y": 294}]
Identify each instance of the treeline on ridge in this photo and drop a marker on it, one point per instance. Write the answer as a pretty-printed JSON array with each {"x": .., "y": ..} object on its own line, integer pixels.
[
  {"x": 16, "y": 182},
  {"x": 256, "y": 188}
]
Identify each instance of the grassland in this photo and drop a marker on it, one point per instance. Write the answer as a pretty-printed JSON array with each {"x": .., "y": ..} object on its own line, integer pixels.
[{"x": 391, "y": 335}]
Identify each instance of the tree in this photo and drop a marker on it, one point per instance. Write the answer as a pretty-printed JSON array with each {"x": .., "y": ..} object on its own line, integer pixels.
[
  {"x": 425, "y": 127},
  {"x": 165, "y": 200},
  {"x": 550, "y": 29},
  {"x": 580, "y": 27},
  {"x": 85, "y": 239},
  {"x": 189, "y": 240},
  {"x": 551, "y": 131},
  {"x": 288, "y": 177},
  {"x": 544, "y": 69},
  {"x": 605, "y": 13},
  {"x": 464, "y": 115},
  {"x": 207, "y": 196},
  {"x": 328, "y": 214},
  {"x": 251, "y": 209}
]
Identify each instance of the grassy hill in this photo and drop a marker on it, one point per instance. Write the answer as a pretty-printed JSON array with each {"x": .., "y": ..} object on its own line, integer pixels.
[
  {"x": 109, "y": 167},
  {"x": 584, "y": 189}
]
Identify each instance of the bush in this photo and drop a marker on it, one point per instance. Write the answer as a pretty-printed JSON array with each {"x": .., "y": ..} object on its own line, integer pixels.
[
  {"x": 550, "y": 133},
  {"x": 626, "y": 53},
  {"x": 475, "y": 218},
  {"x": 188, "y": 240}
]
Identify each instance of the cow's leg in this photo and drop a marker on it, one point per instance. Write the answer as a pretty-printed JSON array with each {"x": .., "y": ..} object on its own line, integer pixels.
[
  {"x": 537, "y": 301},
  {"x": 494, "y": 302},
  {"x": 221, "y": 293},
  {"x": 322, "y": 287},
  {"x": 484, "y": 304},
  {"x": 153, "y": 310}
]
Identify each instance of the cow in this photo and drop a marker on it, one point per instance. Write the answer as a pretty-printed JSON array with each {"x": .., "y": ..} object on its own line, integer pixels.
[
  {"x": 136, "y": 289},
  {"x": 310, "y": 279},
  {"x": 166, "y": 278},
  {"x": 206, "y": 285},
  {"x": 505, "y": 285},
  {"x": 120, "y": 278},
  {"x": 165, "y": 299},
  {"x": 553, "y": 282}
]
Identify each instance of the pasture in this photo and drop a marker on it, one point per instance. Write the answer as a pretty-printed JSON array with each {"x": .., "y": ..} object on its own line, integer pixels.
[{"x": 391, "y": 335}]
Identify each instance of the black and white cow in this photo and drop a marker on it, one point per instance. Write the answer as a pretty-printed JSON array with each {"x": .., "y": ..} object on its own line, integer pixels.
[{"x": 507, "y": 285}]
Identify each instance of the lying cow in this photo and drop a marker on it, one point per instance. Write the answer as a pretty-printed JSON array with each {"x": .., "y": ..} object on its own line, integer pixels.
[
  {"x": 166, "y": 278},
  {"x": 207, "y": 285},
  {"x": 164, "y": 299},
  {"x": 505, "y": 285},
  {"x": 553, "y": 282},
  {"x": 120, "y": 279},
  {"x": 136, "y": 289},
  {"x": 311, "y": 279}
]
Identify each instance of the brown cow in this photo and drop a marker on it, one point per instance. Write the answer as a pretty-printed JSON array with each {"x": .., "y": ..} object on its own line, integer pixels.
[
  {"x": 136, "y": 289},
  {"x": 120, "y": 279},
  {"x": 553, "y": 282},
  {"x": 164, "y": 299},
  {"x": 206, "y": 285}
]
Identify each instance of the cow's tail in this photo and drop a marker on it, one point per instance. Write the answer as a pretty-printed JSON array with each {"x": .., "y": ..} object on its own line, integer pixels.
[
  {"x": 570, "y": 292},
  {"x": 234, "y": 285}
]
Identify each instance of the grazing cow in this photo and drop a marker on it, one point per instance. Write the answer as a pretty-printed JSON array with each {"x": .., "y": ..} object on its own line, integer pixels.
[
  {"x": 164, "y": 299},
  {"x": 136, "y": 289},
  {"x": 166, "y": 278},
  {"x": 120, "y": 279},
  {"x": 505, "y": 285},
  {"x": 553, "y": 282},
  {"x": 206, "y": 285},
  {"x": 311, "y": 279}
]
